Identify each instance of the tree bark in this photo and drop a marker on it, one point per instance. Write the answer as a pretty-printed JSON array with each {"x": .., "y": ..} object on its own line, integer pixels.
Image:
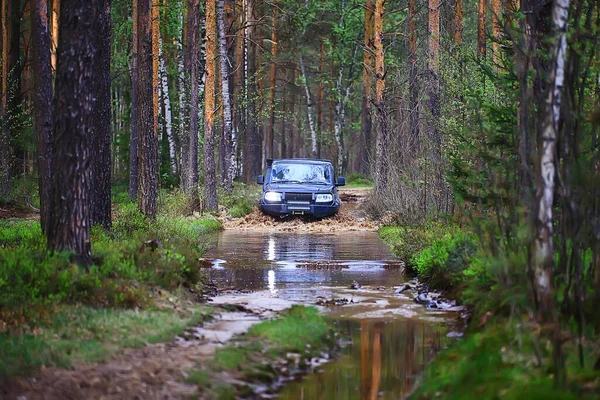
[
  {"x": 69, "y": 223},
  {"x": 229, "y": 159},
  {"x": 496, "y": 30},
  {"x": 381, "y": 162},
  {"x": 366, "y": 126},
  {"x": 54, "y": 32},
  {"x": 164, "y": 87},
  {"x": 481, "y": 22},
  {"x": 544, "y": 249},
  {"x": 433, "y": 66},
  {"x": 269, "y": 145},
  {"x": 191, "y": 66},
  {"x": 134, "y": 138},
  {"x": 458, "y": 23},
  {"x": 310, "y": 109},
  {"x": 101, "y": 128},
  {"x": 414, "y": 117},
  {"x": 147, "y": 126},
  {"x": 252, "y": 144},
  {"x": 42, "y": 103},
  {"x": 239, "y": 75},
  {"x": 210, "y": 184},
  {"x": 4, "y": 143}
]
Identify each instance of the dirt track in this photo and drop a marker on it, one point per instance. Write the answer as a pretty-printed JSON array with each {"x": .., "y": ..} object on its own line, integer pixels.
[{"x": 350, "y": 218}]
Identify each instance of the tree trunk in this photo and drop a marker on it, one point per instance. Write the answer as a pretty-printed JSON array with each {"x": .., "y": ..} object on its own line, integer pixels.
[
  {"x": 164, "y": 86},
  {"x": 182, "y": 79},
  {"x": 433, "y": 66},
  {"x": 364, "y": 149},
  {"x": 544, "y": 249},
  {"x": 269, "y": 145},
  {"x": 54, "y": 32},
  {"x": 458, "y": 23},
  {"x": 283, "y": 148},
  {"x": 252, "y": 144},
  {"x": 239, "y": 75},
  {"x": 134, "y": 138},
  {"x": 101, "y": 129},
  {"x": 147, "y": 127},
  {"x": 15, "y": 108},
  {"x": 414, "y": 117},
  {"x": 320, "y": 96},
  {"x": 481, "y": 49},
  {"x": 229, "y": 164},
  {"x": 69, "y": 223},
  {"x": 381, "y": 162},
  {"x": 310, "y": 109},
  {"x": 210, "y": 181},
  {"x": 4, "y": 143},
  {"x": 496, "y": 30},
  {"x": 293, "y": 146},
  {"x": 191, "y": 66},
  {"x": 42, "y": 83}
]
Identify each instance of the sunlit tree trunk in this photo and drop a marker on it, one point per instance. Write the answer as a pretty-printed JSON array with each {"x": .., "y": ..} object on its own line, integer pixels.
[
  {"x": 229, "y": 156},
  {"x": 376, "y": 363},
  {"x": 364, "y": 145},
  {"x": 239, "y": 75},
  {"x": 481, "y": 23},
  {"x": 433, "y": 66},
  {"x": 101, "y": 128},
  {"x": 147, "y": 126},
  {"x": 191, "y": 78},
  {"x": 42, "y": 84},
  {"x": 134, "y": 138},
  {"x": 458, "y": 23},
  {"x": 210, "y": 182},
  {"x": 310, "y": 109},
  {"x": 54, "y": 31},
  {"x": 183, "y": 118},
  {"x": 381, "y": 162},
  {"x": 69, "y": 223},
  {"x": 496, "y": 30}
]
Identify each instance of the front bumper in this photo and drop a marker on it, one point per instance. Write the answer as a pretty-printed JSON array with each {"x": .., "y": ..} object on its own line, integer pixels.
[{"x": 283, "y": 209}]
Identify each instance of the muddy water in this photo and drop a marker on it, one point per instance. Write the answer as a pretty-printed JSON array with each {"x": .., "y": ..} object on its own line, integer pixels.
[{"x": 390, "y": 337}]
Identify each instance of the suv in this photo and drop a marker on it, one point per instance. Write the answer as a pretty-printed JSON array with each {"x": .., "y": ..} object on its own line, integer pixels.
[{"x": 296, "y": 186}]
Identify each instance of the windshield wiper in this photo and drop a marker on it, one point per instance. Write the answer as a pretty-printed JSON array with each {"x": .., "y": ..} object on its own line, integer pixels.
[
  {"x": 286, "y": 181},
  {"x": 316, "y": 182}
]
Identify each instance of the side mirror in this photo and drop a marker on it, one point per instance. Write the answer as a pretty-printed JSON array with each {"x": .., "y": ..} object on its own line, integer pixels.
[
  {"x": 341, "y": 181},
  {"x": 260, "y": 179}
]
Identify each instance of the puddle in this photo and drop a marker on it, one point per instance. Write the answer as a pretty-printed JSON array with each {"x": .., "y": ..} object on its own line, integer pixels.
[{"x": 352, "y": 276}]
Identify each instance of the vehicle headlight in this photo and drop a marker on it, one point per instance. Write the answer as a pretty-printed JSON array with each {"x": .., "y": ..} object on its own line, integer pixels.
[
  {"x": 324, "y": 198},
  {"x": 273, "y": 196}
]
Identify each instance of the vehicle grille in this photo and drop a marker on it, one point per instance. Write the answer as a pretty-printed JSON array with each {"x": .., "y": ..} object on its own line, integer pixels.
[{"x": 298, "y": 197}]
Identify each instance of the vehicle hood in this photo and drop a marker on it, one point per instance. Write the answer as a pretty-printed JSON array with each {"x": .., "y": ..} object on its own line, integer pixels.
[{"x": 299, "y": 187}]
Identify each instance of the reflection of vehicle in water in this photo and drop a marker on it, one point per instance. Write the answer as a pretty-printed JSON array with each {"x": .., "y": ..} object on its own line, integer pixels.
[{"x": 300, "y": 187}]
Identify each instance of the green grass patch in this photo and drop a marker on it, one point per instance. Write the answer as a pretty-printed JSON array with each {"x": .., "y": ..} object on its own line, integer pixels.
[
  {"x": 500, "y": 363},
  {"x": 91, "y": 335},
  {"x": 252, "y": 358},
  {"x": 356, "y": 180},
  {"x": 242, "y": 199}
]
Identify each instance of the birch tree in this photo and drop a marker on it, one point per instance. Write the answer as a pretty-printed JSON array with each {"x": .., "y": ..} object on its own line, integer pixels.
[
  {"x": 229, "y": 164},
  {"x": 192, "y": 85}
]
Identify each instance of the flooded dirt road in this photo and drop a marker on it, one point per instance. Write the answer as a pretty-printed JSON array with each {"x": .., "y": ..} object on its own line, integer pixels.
[{"x": 353, "y": 277}]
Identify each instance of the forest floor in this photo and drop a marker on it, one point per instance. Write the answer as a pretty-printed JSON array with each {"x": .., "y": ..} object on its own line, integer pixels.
[{"x": 351, "y": 217}]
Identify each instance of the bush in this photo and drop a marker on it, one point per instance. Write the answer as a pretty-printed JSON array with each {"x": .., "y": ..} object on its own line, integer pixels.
[
  {"x": 15, "y": 233},
  {"x": 241, "y": 201},
  {"x": 357, "y": 180}
]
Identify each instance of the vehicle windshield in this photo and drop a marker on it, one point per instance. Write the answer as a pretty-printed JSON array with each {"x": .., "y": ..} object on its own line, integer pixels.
[{"x": 301, "y": 173}]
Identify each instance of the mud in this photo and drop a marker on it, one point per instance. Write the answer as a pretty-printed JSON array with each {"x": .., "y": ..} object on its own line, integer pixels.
[
  {"x": 156, "y": 371},
  {"x": 350, "y": 218}
]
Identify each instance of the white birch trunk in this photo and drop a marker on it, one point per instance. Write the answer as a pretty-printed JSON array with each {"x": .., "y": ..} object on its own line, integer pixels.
[
  {"x": 182, "y": 107},
  {"x": 543, "y": 243},
  {"x": 310, "y": 109},
  {"x": 164, "y": 87},
  {"x": 227, "y": 116}
]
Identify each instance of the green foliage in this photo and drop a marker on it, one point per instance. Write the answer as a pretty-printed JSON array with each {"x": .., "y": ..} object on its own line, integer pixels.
[
  {"x": 358, "y": 180},
  {"x": 499, "y": 362},
  {"x": 241, "y": 201},
  {"x": 91, "y": 335},
  {"x": 441, "y": 263},
  {"x": 18, "y": 232}
]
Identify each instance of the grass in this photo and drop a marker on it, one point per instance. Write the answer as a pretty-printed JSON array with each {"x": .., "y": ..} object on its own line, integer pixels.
[
  {"x": 356, "y": 180},
  {"x": 86, "y": 334},
  {"x": 491, "y": 364},
  {"x": 254, "y": 356}
]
